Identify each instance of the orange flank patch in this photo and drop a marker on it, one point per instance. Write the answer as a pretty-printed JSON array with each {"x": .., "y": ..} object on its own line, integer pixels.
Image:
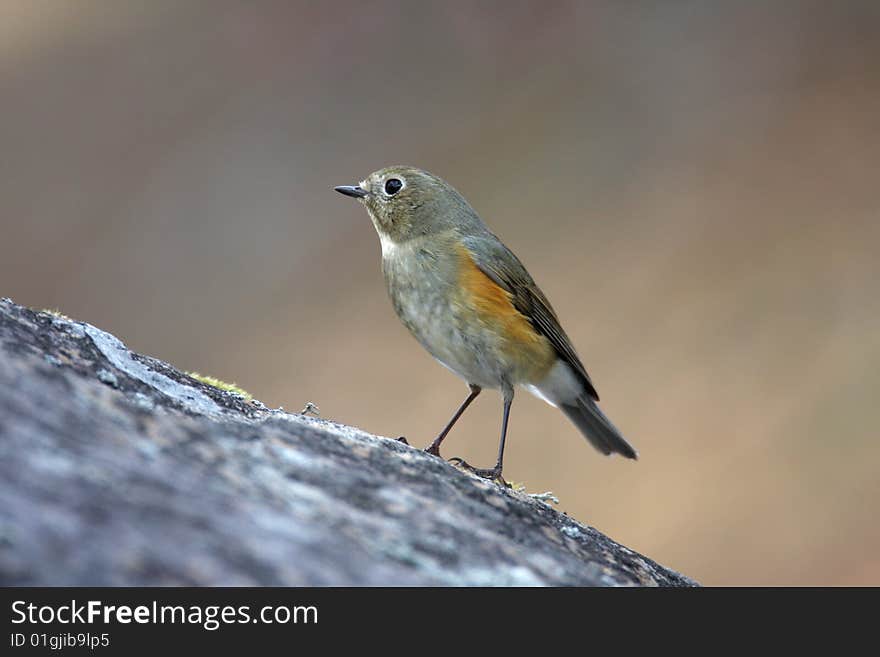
[{"x": 529, "y": 353}]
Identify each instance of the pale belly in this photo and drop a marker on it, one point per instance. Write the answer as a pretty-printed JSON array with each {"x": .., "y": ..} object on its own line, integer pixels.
[
  {"x": 425, "y": 294},
  {"x": 466, "y": 350}
]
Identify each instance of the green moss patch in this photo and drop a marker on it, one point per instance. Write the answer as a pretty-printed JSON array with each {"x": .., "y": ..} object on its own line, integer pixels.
[{"x": 221, "y": 385}]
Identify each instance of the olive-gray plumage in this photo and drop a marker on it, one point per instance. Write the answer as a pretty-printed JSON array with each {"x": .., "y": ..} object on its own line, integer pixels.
[{"x": 473, "y": 305}]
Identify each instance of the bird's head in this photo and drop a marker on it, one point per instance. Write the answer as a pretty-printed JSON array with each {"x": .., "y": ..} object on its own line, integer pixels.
[{"x": 405, "y": 202}]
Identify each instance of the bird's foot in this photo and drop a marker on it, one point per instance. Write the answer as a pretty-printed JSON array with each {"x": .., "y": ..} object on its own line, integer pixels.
[
  {"x": 402, "y": 439},
  {"x": 494, "y": 474},
  {"x": 433, "y": 450}
]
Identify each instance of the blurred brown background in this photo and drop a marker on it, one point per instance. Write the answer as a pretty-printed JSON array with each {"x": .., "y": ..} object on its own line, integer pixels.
[{"x": 694, "y": 185}]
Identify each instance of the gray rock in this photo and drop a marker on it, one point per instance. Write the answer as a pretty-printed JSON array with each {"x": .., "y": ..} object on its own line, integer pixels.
[{"x": 117, "y": 469}]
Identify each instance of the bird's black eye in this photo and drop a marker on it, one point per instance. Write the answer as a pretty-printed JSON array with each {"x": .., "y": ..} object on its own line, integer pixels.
[{"x": 392, "y": 186}]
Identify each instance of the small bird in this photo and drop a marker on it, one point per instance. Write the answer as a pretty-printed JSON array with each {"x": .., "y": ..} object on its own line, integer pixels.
[{"x": 471, "y": 303}]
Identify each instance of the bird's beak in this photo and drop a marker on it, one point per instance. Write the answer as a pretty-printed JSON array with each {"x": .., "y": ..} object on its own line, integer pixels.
[{"x": 354, "y": 191}]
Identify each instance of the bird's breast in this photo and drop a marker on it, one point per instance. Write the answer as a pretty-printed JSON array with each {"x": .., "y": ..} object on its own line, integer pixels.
[{"x": 462, "y": 317}]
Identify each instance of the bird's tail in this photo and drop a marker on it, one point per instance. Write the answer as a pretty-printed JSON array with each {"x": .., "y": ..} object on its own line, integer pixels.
[{"x": 597, "y": 428}]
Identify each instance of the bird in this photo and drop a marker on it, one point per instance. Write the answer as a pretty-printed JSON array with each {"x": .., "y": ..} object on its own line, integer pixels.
[{"x": 474, "y": 307}]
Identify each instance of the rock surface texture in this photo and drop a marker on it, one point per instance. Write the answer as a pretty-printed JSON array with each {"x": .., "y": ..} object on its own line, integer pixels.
[{"x": 117, "y": 469}]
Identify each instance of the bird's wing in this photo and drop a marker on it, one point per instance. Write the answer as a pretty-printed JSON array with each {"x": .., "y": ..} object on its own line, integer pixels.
[{"x": 504, "y": 268}]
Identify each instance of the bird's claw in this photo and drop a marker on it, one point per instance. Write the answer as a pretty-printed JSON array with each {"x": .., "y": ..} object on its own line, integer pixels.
[{"x": 493, "y": 474}]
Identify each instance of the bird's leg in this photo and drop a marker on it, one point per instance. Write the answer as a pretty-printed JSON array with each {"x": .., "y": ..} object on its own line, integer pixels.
[
  {"x": 495, "y": 472},
  {"x": 434, "y": 447}
]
